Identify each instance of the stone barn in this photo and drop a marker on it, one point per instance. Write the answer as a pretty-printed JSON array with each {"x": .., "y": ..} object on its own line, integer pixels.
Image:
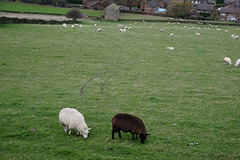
[{"x": 112, "y": 12}]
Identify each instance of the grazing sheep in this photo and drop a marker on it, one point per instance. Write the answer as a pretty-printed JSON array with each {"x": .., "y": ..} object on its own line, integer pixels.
[
  {"x": 198, "y": 34},
  {"x": 171, "y": 35},
  {"x": 235, "y": 37},
  {"x": 72, "y": 26},
  {"x": 129, "y": 27},
  {"x": 228, "y": 61},
  {"x": 95, "y": 25},
  {"x": 237, "y": 63},
  {"x": 64, "y": 25},
  {"x": 72, "y": 119},
  {"x": 170, "y": 48},
  {"x": 151, "y": 26},
  {"x": 129, "y": 123},
  {"x": 161, "y": 30},
  {"x": 99, "y": 29},
  {"x": 232, "y": 36}
]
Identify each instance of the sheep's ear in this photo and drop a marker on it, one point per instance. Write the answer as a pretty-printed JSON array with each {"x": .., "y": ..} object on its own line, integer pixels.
[{"x": 89, "y": 129}]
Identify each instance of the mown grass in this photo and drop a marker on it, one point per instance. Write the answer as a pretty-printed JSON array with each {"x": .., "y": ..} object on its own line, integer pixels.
[
  {"x": 25, "y": 7},
  {"x": 183, "y": 96}
]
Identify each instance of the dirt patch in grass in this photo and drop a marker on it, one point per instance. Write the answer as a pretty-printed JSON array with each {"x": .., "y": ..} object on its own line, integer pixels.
[{"x": 34, "y": 16}]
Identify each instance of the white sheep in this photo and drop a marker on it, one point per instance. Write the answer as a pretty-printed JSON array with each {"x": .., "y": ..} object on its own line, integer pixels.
[
  {"x": 99, "y": 29},
  {"x": 198, "y": 34},
  {"x": 170, "y": 48},
  {"x": 64, "y": 25},
  {"x": 232, "y": 36},
  {"x": 171, "y": 35},
  {"x": 228, "y": 61},
  {"x": 237, "y": 63},
  {"x": 72, "y": 26},
  {"x": 95, "y": 25},
  {"x": 161, "y": 30},
  {"x": 72, "y": 119},
  {"x": 235, "y": 37}
]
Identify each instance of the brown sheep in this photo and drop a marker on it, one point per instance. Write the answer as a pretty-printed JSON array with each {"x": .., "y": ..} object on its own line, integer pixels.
[{"x": 129, "y": 123}]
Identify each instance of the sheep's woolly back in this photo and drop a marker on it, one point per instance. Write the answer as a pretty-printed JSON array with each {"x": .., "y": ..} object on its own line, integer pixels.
[
  {"x": 228, "y": 60},
  {"x": 72, "y": 118},
  {"x": 237, "y": 63}
]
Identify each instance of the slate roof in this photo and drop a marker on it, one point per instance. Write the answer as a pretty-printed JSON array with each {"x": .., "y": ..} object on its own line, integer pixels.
[
  {"x": 153, "y": 3},
  {"x": 227, "y": 10},
  {"x": 94, "y": 3},
  {"x": 205, "y": 7},
  {"x": 230, "y": 10},
  {"x": 234, "y": 2},
  {"x": 167, "y": 2}
]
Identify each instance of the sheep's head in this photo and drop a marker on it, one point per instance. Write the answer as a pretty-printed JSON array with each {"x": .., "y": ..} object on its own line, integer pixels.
[
  {"x": 85, "y": 132},
  {"x": 143, "y": 137}
]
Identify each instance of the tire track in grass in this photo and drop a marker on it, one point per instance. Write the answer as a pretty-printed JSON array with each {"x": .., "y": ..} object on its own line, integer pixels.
[
  {"x": 103, "y": 84},
  {"x": 85, "y": 84},
  {"x": 91, "y": 79}
]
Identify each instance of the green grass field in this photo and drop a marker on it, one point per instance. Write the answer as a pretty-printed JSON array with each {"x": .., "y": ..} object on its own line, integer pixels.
[
  {"x": 183, "y": 96},
  {"x": 25, "y": 7}
]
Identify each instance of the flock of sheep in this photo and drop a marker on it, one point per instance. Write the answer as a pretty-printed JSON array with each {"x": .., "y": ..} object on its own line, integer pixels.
[
  {"x": 71, "y": 118},
  {"x": 228, "y": 61}
]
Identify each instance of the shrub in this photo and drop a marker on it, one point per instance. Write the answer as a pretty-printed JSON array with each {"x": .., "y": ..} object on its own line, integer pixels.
[{"x": 74, "y": 14}]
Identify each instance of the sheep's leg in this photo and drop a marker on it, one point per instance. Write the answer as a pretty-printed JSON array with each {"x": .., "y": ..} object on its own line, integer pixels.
[
  {"x": 70, "y": 132},
  {"x": 119, "y": 134},
  {"x": 65, "y": 128},
  {"x": 112, "y": 134},
  {"x": 133, "y": 136}
]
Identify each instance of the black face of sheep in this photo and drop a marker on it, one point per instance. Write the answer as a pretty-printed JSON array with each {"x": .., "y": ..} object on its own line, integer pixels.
[
  {"x": 143, "y": 137},
  {"x": 129, "y": 123}
]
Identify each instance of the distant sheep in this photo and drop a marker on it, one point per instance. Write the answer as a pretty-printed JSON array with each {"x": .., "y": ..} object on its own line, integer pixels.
[
  {"x": 171, "y": 35},
  {"x": 161, "y": 30},
  {"x": 72, "y": 26},
  {"x": 99, "y": 29},
  {"x": 228, "y": 61},
  {"x": 170, "y": 48},
  {"x": 129, "y": 123},
  {"x": 64, "y": 25},
  {"x": 235, "y": 37},
  {"x": 72, "y": 119},
  {"x": 198, "y": 34},
  {"x": 122, "y": 30},
  {"x": 237, "y": 63},
  {"x": 95, "y": 25}
]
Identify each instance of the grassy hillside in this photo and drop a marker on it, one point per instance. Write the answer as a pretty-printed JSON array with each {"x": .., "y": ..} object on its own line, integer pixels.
[
  {"x": 183, "y": 96},
  {"x": 24, "y": 7}
]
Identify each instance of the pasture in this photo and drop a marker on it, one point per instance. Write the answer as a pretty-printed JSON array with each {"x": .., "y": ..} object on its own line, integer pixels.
[{"x": 183, "y": 96}]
